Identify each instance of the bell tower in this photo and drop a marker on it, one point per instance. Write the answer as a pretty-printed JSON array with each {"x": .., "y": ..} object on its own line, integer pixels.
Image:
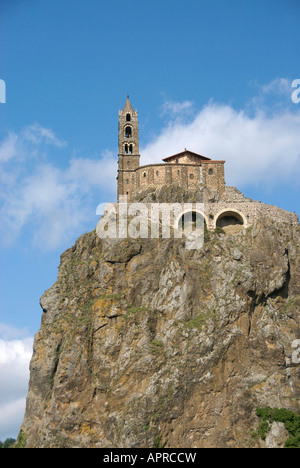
[{"x": 129, "y": 158}]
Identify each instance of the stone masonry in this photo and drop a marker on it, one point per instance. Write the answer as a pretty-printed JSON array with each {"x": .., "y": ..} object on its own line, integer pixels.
[{"x": 224, "y": 207}]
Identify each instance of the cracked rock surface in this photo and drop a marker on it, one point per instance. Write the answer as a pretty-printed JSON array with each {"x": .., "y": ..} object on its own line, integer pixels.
[{"x": 144, "y": 340}]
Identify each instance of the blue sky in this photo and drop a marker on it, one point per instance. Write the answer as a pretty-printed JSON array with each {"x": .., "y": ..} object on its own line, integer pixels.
[{"x": 214, "y": 76}]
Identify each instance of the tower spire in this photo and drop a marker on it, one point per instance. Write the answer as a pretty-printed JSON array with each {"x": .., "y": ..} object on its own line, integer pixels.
[
  {"x": 128, "y": 107},
  {"x": 129, "y": 158}
]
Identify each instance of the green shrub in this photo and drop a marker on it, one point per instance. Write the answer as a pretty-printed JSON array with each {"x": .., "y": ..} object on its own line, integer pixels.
[
  {"x": 290, "y": 420},
  {"x": 7, "y": 443},
  {"x": 263, "y": 429}
]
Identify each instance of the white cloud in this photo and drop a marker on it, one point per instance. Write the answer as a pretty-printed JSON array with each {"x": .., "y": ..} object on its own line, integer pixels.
[
  {"x": 279, "y": 86},
  {"x": 11, "y": 418},
  {"x": 9, "y": 332},
  {"x": 15, "y": 355},
  {"x": 90, "y": 172},
  {"x": 177, "y": 109},
  {"x": 8, "y": 148},
  {"x": 37, "y": 134},
  {"x": 52, "y": 202},
  {"x": 259, "y": 148}
]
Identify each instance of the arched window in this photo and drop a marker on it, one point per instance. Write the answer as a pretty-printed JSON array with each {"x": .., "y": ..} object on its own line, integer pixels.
[
  {"x": 128, "y": 117},
  {"x": 127, "y": 132},
  {"x": 144, "y": 174},
  {"x": 126, "y": 149},
  {"x": 211, "y": 172},
  {"x": 157, "y": 173},
  {"x": 191, "y": 176},
  {"x": 130, "y": 149}
]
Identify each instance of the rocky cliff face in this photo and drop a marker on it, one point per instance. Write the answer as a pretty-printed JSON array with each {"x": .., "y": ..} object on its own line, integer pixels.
[{"x": 144, "y": 342}]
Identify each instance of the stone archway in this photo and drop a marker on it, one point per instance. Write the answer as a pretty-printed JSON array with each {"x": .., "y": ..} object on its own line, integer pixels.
[
  {"x": 190, "y": 218},
  {"x": 231, "y": 221}
]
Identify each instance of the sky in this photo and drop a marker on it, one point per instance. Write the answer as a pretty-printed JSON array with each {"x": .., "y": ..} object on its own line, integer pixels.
[{"x": 216, "y": 77}]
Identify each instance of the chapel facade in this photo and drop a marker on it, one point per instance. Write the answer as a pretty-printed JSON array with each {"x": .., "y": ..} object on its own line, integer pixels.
[{"x": 187, "y": 169}]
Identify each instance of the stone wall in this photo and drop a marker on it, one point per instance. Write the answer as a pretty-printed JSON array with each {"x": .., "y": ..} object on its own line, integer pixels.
[
  {"x": 187, "y": 176},
  {"x": 233, "y": 206},
  {"x": 213, "y": 176}
]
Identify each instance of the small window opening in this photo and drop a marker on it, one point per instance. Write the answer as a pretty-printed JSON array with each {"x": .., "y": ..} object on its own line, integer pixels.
[
  {"x": 144, "y": 174},
  {"x": 127, "y": 181},
  {"x": 128, "y": 117},
  {"x": 211, "y": 172},
  {"x": 127, "y": 132},
  {"x": 191, "y": 176},
  {"x": 126, "y": 149},
  {"x": 176, "y": 161},
  {"x": 130, "y": 149},
  {"x": 157, "y": 173}
]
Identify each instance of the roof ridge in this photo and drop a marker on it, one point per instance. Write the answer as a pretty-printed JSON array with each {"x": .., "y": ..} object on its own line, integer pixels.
[{"x": 187, "y": 151}]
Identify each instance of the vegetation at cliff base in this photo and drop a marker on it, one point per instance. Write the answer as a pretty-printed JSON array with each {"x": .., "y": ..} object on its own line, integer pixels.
[
  {"x": 7, "y": 443},
  {"x": 290, "y": 420}
]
